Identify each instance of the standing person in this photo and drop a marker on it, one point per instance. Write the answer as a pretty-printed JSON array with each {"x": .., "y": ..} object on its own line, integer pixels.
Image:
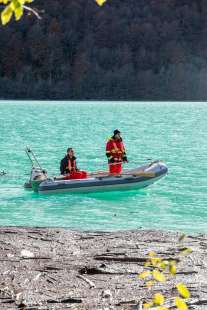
[
  {"x": 68, "y": 166},
  {"x": 115, "y": 152}
]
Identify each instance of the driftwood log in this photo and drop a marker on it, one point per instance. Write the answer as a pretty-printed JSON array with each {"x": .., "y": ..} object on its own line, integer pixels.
[{"x": 52, "y": 268}]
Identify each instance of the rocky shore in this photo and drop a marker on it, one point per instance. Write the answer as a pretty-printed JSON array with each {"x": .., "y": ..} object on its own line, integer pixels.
[{"x": 53, "y": 268}]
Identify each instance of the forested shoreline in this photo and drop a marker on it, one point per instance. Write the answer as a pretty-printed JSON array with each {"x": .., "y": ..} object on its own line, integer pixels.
[{"x": 131, "y": 50}]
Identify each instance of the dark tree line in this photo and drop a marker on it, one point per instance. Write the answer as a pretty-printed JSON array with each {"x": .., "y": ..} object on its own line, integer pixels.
[{"x": 125, "y": 50}]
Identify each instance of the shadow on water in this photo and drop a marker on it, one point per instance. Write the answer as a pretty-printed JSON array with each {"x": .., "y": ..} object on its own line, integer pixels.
[
  {"x": 117, "y": 195},
  {"x": 104, "y": 196}
]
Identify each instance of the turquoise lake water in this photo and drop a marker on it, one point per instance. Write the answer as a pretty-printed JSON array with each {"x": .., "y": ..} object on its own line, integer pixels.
[{"x": 173, "y": 132}]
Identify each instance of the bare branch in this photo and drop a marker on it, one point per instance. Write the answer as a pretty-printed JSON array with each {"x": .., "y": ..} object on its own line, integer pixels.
[{"x": 32, "y": 11}]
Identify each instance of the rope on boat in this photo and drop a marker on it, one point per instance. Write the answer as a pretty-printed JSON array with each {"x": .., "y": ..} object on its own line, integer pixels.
[{"x": 131, "y": 162}]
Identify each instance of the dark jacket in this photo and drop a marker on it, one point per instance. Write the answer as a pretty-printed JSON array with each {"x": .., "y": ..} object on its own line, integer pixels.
[{"x": 64, "y": 165}]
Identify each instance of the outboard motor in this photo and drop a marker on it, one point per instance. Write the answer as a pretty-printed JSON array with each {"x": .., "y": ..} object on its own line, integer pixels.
[{"x": 38, "y": 174}]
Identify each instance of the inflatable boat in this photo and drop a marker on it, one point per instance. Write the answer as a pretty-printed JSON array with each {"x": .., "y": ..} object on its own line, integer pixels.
[{"x": 99, "y": 182}]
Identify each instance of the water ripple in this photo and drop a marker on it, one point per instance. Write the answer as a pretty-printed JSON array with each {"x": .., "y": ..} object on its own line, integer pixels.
[{"x": 173, "y": 132}]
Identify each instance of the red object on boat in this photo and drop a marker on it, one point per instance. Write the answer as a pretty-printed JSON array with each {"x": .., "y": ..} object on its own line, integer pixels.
[
  {"x": 76, "y": 175},
  {"x": 115, "y": 168}
]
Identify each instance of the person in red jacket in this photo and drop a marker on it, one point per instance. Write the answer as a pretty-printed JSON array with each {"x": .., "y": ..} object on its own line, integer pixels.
[{"x": 115, "y": 152}]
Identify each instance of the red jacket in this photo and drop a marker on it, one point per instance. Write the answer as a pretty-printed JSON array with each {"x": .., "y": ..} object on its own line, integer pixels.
[{"x": 115, "y": 150}]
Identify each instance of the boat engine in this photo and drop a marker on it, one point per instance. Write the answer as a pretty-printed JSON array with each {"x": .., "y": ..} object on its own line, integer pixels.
[
  {"x": 38, "y": 174},
  {"x": 36, "y": 177}
]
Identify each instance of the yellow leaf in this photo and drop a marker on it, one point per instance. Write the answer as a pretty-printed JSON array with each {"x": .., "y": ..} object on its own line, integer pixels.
[
  {"x": 148, "y": 305},
  {"x": 162, "y": 308},
  {"x": 18, "y": 13},
  {"x": 147, "y": 264},
  {"x": 6, "y": 15},
  {"x": 172, "y": 262},
  {"x": 183, "y": 290},
  {"x": 155, "y": 261},
  {"x": 158, "y": 299},
  {"x": 100, "y": 2},
  {"x": 144, "y": 274},
  {"x": 181, "y": 304},
  {"x": 185, "y": 251},
  {"x": 14, "y": 5},
  {"x": 164, "y": 264},
  {"x": 158, "y": 276},
  {"x": 25, "y": 1},
  {"x": 4, "y": 1},
  {"x": 152, "y": 254},
  {"x": 172, "y": 269}
]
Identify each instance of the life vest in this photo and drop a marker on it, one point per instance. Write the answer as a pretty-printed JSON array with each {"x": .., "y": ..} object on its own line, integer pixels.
[
  {"x": 72, "y": 164},
  {"x": 115, "y": 149}
]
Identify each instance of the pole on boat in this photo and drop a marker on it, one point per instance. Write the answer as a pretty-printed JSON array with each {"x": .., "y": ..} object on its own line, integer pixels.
[
  {"x": 27, "y": 150},
  {"x": 33, "y": 159}
]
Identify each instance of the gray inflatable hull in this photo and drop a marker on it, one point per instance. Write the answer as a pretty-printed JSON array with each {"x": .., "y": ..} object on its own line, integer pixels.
[{"x": 129, "y": 180}]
